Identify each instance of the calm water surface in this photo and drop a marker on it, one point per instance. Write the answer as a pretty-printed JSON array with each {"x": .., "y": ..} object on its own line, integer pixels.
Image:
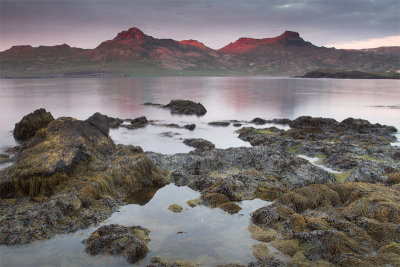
[
  {"x": 212, "y": 236},
  {"x": 225, "y": 98}
]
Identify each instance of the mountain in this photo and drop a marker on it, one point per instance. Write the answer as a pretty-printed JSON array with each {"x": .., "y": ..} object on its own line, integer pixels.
[
  {"x": 383, "y": 50},
  {"x": 132, "y": 52}
]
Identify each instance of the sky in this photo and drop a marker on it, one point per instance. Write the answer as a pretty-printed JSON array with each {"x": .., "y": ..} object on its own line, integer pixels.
[{"x": 86, "y": 23}]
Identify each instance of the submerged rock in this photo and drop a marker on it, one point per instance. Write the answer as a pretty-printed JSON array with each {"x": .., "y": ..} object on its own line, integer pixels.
[
  {"x": 199, "y": 143},
  {"x": 175, "y": 208},
  {"x": 138, "y": 123},
  {"x": 114, "y": 239},
  {"x": 219, "y": 123},
  {"x": 186, "y": 107},
  {"x": 31, "y": 124},
  {"x": 190, "y": 127}
]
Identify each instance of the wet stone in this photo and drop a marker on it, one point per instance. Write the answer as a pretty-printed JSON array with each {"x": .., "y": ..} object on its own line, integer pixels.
[{"x": 114, "y": 239}]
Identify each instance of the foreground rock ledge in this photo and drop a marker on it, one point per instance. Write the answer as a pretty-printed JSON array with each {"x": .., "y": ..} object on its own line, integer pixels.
[{"x": 71, "y": 175}]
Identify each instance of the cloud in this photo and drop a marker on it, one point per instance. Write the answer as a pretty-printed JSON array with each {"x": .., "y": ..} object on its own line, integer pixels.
[
  {"x": 370, "y": 43},
  {"x": 86, "y": 23}
]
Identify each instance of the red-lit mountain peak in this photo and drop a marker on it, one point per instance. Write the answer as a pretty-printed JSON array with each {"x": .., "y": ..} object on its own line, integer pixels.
[
  {"x": 132, "y": 33},
  {"x": 243, "y": 45},
  {"x": 194, "y": 43}
]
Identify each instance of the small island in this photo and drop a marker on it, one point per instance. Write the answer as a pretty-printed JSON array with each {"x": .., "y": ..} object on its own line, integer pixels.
[{"x": 353, "y": 74}]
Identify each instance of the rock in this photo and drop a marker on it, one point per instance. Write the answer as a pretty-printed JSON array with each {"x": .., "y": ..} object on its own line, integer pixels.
[
  {"x": 199, "y": 143},
  {"x": 230, "y": 207},
  {"x": 259, "y": 121},
  {"x": 114, "y": 122},
  {"x": 215, "y": 199},
  {"x": 219, "y": 123},
  {"x": 237, "y": 124},
  {"x": 138, "y": 123},
  {"x": 259, "y": 234},
  {"x": 194, "y": 202},
  {"x": 152, "y": 104},
  {"x": 186, "y": 107},
  {"x": 57, "y": 149},
  {"x": 31, "y": 124},
  {"x": 114, "y": 239},
  {"x": 190, "y": 127},
  {"x": 99, "y": 121},
  {"x": 316, "y": 123},
  {"x": 342, "y": 223},
  {"x": 4, "y": 158},
  {"x": 172, "y": 125},
  {"x": 175, "y": 208}
]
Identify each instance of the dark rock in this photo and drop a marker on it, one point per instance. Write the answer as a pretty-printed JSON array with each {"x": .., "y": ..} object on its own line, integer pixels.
[
  {"x": 186, "y": 107},
  {"x": 99, "y": 121},
  {"x": 152, "y": 104},
  {"x": 138, "y": 123},
  {"x": 237, "y": 124},
  {"x": 114, "y": 239},
  {"x": 114, "y": 122},
  {"x": 31, "y": 124},
  {"x": 190, "y": 127},
  {"x": 219, "y": 123},
  {"x": 199, "y": 143},
  {"x": 310, "y": 122},
  {"x": 259, "y": 121}
]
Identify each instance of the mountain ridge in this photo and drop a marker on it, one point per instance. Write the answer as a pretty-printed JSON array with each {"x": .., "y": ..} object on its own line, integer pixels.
[{"x": 132, "y": 52}]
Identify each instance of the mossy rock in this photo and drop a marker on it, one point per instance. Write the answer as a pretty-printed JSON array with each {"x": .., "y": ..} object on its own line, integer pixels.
[
  {"x": 230, "y": 207},
  {"x": 114, "y": 239},
  {"x": 287, "y": 246},
  {"x": 300, "y": 260},
  {"x": 392, "y": 247},
  {"x": 175, "y": 208},
  {"x": 268, "y": 191},
  {"x": 261, "y": 253},
  {"x": 215, "y": 199},
  {"x": 259, "y": 234},
  {"x": 193, "y": 202}
]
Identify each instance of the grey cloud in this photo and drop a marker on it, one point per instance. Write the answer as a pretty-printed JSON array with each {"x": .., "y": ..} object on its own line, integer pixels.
[{"x": 86, "y": 23}]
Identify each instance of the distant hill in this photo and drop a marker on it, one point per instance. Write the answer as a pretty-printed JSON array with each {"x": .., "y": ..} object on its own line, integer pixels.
[
  {"x": 383, "y": 50},
  {"x": 132, "y": 52}
]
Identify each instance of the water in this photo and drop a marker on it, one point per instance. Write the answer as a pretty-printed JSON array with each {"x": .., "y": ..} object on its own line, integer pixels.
[
  {"x": 211, "y": 236},
  {"x": 225, "y": 98}
]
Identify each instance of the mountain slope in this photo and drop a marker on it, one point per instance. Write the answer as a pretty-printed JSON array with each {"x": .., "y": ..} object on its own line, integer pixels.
[{"x": 132, "y": 52}]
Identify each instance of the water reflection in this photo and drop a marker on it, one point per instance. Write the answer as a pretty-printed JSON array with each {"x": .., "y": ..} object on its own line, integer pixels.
[
  {"x": 225, "y": 98},
  {"x": 209, "y": 236}
]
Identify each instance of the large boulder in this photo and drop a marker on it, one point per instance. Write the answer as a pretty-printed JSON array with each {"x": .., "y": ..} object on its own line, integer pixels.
[
  {"x": 186, "y": 107},
  {"x": 130, "y": 242},
  {"x": 31, "y": 123},
  {"x": 51, "y": 155}
]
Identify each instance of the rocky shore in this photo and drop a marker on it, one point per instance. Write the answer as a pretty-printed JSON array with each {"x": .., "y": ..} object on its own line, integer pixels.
[{"x": 335, "y": 187}]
